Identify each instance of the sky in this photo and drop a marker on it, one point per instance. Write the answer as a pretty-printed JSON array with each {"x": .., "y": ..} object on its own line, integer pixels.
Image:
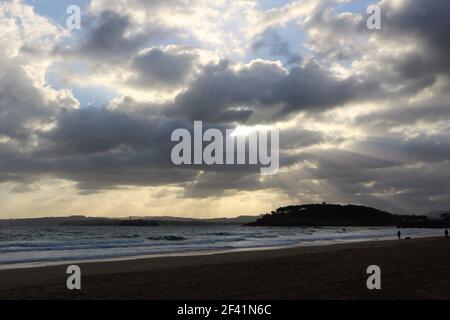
[{"x": 86, "y": 115}]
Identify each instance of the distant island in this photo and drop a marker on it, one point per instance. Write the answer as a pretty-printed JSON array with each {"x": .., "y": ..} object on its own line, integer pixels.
[{"x": 315, "y": 215}]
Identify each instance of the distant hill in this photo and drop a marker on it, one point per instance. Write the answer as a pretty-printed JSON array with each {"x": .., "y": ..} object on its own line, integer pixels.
[
  {"x": 39, "y": 222},
  {"x": 83, "y": 221},
  {"x": 341, "y": 215}
]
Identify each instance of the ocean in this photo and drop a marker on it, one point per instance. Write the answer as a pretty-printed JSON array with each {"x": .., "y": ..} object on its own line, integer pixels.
[{"x": 35, "y": 246}]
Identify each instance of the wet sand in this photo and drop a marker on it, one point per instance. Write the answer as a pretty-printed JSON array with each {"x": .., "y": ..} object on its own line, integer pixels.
[{"x": 411, "y": 269}]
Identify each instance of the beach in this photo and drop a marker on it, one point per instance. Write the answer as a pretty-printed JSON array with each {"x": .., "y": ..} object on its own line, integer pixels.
[{"x": 410, "y": 269}]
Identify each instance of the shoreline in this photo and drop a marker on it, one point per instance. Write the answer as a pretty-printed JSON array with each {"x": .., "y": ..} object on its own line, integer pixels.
[{"x": 317, "y": 272}]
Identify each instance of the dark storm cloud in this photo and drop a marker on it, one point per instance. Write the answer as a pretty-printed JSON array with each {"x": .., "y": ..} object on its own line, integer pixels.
[
  {"x": 313, "y": 89},
  {"x": 103, "y": 149},
  {"x": 95, "y": 173},
  {"x": 95, "y": 130},
  {"x": 23, "y": 105},
  {"x": 100, "y": 149},
  {"x": 426, "y": 21},
  {"x": 222, "y": 94},
  {"x": 158, "y": 68},
  {"x": 20, "y": 101},
  {"x": 111, "y": 36}
]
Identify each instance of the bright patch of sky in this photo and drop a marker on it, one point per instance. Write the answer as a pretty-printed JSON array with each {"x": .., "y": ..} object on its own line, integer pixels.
[{"x": 89, "y": 95}]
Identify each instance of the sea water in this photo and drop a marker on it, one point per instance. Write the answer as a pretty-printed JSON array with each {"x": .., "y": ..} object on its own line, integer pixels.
[{"x": 30, "y": 246}]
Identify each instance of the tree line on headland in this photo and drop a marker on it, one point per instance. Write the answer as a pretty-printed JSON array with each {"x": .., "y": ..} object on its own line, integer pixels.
[{"x": 315, "y": 215}]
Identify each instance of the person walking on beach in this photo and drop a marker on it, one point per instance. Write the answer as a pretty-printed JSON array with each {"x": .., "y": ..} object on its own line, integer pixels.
[
  {"x": 446, "y": 234},
  {"x": 399, "y": 234}
]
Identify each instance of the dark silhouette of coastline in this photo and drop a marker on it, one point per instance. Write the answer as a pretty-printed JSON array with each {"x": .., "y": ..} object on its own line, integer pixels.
[{"x": 315, "y": 215}]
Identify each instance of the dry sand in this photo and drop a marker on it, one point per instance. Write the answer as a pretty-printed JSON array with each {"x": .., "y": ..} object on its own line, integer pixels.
[{"x": 411, "y": 269}]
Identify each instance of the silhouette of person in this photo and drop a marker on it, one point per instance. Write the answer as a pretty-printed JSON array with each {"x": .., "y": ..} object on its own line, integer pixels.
[
  {"x": 399, "y": 234},
  {"x": 446, "y": 234}
]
